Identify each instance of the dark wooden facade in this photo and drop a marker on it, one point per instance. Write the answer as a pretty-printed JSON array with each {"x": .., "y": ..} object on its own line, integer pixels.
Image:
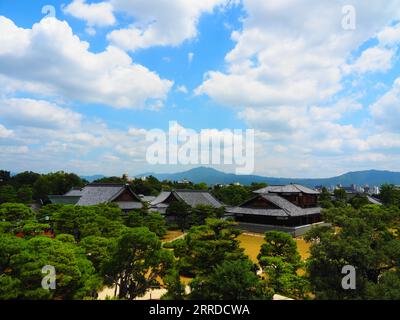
[
  {"x": 279, "y": 221},
  {"x": 280, "y": 209}
]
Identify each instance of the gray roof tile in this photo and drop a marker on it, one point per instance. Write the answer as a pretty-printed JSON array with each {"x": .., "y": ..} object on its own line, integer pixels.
[
  {"x": 290, "y": 188},
  {"x": 190, "y": 197},
  {"x": 194, "y": 198},
  {"x": 286, "y": 208}
]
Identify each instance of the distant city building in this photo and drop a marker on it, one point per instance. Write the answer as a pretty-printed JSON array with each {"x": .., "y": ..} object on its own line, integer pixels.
[{"x": 184, "y": 181}]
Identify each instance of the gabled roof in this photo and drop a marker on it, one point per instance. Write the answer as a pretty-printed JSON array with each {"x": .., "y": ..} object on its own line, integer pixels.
[
  {"x": 97, "y": 193},
  {"x": 74, "y": 192},
  {"x": 161, "y": 197},
  {"x": 198, "y": 197},
  {"x": 290, "y": 188},
  {"x": 190, "y": 197},
  {"x": 148, "y": 199},
  {"x": 374, "y": 200},
  {"x": 285, "y": 208}
]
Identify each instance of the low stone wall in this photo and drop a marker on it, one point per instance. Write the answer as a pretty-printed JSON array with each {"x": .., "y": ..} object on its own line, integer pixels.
[{"x": 294, "y": 231}]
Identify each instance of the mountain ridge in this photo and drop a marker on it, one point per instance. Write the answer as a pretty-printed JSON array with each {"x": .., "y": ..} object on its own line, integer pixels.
[{"x": 212, "y": 176}]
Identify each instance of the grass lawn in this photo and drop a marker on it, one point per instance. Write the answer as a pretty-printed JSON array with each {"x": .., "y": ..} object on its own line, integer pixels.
[
  {"x": 251, "y": 243},
  {"x": 171, "y": 235}
]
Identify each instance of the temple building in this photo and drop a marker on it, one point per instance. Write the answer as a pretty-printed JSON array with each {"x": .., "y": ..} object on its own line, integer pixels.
[
  {"x": 191, "y": 197},
  {"x": 100, "y": 193},
  {"x": 289, "y": 206}
]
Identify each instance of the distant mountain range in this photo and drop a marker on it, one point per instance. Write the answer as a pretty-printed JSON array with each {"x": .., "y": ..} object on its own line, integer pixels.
[
  {"x": 93, "y": 178},
  {"x": 212, "y": 176}
]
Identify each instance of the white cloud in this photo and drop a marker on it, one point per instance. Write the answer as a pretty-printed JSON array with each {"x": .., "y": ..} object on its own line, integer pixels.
[
  {"x": 4, "y": 132},
  {"x": 336, "y": 110},
  {"x": 381, "y": 57},
  {"x": 374, "y": 59},
  {"x": 190, "y": 57},
  {"x": 182, "y": 89},
  {"x": 38, "y": 113},
  {"x": 291, "y": 53},
  {"x": 390, "y": 35},
  {"x": 286, "y": 75},
  {"x": 160, "y": 22},
  {"x": 386, "y": 110},
  {"x": 49, "y": 59},
  {"x": 14, "y": 150},
  {"x": 95, "y": 14}
]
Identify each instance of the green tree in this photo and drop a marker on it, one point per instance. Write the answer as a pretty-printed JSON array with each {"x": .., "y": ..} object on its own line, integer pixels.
[
  {"x": 359, "y": 200},
  {"x": 280, "y": 261},
  {"x": 156, "y": 223},
  {"x": 233, "y": 195},
  {"x": 137, "y": 263},
  {"x": 202, "y": 212},
  {"x": 143, "y": 218},
  {"x": 175, "y": 287},
  {"x": 111, "y": 180},
  {"x": 340, "y": 195},
  {"x": 82, "y": 221},
  {"x": 148, "y": 187},
  {"x": 15, "y": 212},
  {"x": 25, "y": 194},
  {"x": 55, "y": 183},
  {"x": 389, "y": 195},
  {"x": 325, "y": 198},
  {"x": 282, "y": 245},
  {"x": 7, "y": 194},
  {"x": 27, "y": 178},
  {"x": 206, "y": 246},
  {"x": 387, "y": 288},
  {"x": 22, "y": 260},
  {"x": 367, "y": 238},
  {"x": 5, "y": 177},
  {"x": 181, "y": 212},
  {"x": 134, "y": 219},
  {"x": 98, "y": 250},
  {"x": 231, "y": 280}
]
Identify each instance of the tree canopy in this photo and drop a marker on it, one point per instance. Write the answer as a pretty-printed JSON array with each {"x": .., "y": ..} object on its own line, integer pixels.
[{"x": 365, "y": 238}]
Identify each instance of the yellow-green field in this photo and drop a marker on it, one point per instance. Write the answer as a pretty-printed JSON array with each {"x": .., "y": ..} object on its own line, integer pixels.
[
  {"x": 172, "y": 235},
  {"x": 251, "y": 243}
]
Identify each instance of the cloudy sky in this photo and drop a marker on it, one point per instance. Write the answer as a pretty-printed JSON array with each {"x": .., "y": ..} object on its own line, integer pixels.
[{"x": 82, "y": 82}]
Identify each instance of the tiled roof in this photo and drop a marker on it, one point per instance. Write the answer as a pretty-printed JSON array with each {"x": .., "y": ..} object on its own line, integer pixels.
[
  {"x": 373, "y": 200},
  {"x": 286, "y": 208},
  {"x": 290, "y": 188},
  {"x": 281, "y": 203},
  {"x": 148, "y": 199},
  {"x": 74, "y": 193},
  {"x": 93, "y": 194},
  {"x": 161, "y": 197},
  {"x": 195, "y": 197},
  {"x": 190, "y": 197},
  {"x": 258, "y": 212}
]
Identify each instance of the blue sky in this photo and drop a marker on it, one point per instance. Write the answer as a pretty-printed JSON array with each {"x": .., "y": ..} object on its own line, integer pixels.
[{"x": 79, "y": 92}]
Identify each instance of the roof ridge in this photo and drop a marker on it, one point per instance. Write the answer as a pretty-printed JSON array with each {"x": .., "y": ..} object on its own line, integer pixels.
[
  {"x": 105, "y": 184},
  {"x": 190, "y": 190}
]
